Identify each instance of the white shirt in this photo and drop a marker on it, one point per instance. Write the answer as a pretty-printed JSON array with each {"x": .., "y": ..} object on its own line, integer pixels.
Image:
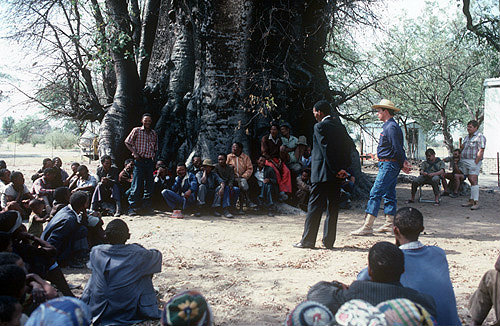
[{"x": 259, "y": 174}]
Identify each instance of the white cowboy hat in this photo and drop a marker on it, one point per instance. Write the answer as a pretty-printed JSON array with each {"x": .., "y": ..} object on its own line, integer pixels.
[{"x": 385, "y": 104}]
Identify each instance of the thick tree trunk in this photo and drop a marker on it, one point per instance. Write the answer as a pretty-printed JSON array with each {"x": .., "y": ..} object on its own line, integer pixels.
[
  {"x": 220, "y": 71},
  {"x": 127, "y": 102}
]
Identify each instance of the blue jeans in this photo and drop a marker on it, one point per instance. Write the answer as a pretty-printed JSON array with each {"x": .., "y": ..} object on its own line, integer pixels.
[
  {"x": 266, "y": 194},
  {"x": 175, "y": 201},
  {"x": 384, "y": 187},
  {"x": 142, "y": 183}
]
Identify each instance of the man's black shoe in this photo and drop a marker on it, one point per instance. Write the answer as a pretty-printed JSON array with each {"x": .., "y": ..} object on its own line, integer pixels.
[
  {"x": 328, "y": 247},
  {"x": 302, "y": 246}
]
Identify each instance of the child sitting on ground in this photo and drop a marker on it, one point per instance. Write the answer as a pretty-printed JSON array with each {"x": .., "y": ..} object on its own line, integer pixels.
[{"x": 37, "y": 217}]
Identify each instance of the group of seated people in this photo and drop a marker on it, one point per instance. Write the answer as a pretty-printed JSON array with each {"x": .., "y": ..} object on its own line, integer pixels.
[
  {"x": 403, "y": 284},
  {"x": 433, "y": 172},
  {"x": 407, "y": 283}
]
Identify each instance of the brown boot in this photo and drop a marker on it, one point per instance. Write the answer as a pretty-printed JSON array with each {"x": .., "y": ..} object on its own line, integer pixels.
[
  {"x": 367, "y": 228},
  {"x": 470, "y": 203},
  {"x": 475, "y": 206},
  {"x": 387, "y": 226}
]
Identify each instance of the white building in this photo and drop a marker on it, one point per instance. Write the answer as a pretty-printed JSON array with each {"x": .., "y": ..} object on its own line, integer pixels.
[
  {"x": 370, "y": 134},
  {"x": 491, "y": 123}
]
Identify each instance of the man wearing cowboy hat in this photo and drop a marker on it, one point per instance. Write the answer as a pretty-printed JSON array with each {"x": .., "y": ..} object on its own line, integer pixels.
[
  {"x": 212, "y": 188},
  {"x": 392, "y": 159}
]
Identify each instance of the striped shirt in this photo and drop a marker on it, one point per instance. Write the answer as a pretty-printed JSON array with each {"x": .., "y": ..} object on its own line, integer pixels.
[
  {"x": 145, "y": 143},
  {"x": 472, "y": 145}
]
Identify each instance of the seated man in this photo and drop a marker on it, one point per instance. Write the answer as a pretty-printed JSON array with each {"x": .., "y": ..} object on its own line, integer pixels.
[
  {"x": 120, "y": 290},
  {"x": 426, "y": 267},
  {"x": 289, "y": 148},
  {"x": 195, "y": 166},
  {"x": 266, "y": 183},
  {"x": 17, "y": 192},
  {"x": 231, "y": 194},
  {"x": 303, "y": 189},
  {"x": 37, "y": 254},
  {"x": 61, "y": 199},
  {"x": 486, "y": 296},
  {"x": 385, "y": 266},
  {"x": 183, "y": 192},
  {"x": 43, "y": 187},
  {"x": 211, "y": 189},
  {"x": 67, "y": 232},
  {"x": 46, "y": 164},
  {"x": 73, "y": 176},
  {"x": 85, "y": 181},
  {"x": 456, "y": 176},
  {"x": 431, "y": 172},
  {"x": 243, "y": 170},
  {"x": 4, "y": 181},
  {"x": 58, "y": 166},
  {"x": 107, "y": 188},
  {"x": 162, "y": 180},
  {"x": 125, "y": 177}
]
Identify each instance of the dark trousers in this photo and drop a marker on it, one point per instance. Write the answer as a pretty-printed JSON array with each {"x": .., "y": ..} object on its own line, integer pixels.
[
  {"x": 324, "y": 195},
  {"x": 142, "y": 186}
]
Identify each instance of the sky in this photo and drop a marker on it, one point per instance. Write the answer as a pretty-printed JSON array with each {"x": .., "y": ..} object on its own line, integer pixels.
[{"x": 20, "y": 63}]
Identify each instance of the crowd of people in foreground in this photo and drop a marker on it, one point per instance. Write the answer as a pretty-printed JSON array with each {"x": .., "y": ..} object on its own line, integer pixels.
[{"x": 406, "y": 283}]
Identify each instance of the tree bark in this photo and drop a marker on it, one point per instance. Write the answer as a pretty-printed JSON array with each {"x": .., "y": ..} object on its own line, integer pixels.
[{"x": 127, "y": 102}]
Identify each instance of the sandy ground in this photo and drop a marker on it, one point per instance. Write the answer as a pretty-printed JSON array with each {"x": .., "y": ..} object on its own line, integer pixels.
[{"x": 250, "y": 273}]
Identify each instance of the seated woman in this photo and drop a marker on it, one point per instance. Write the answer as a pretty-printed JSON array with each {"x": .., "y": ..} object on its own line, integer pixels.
[
  {"x": 270, "y": 147},
  {"x": 107, "y": 189}
]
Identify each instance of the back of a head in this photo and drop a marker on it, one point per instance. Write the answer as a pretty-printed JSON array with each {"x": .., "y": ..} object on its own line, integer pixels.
[
  {"x": 386, "y": 262},
  {"x": 410, "y": 222},
  {"x": 9, "y": 258},
  {"x": 12, "y": 280},
  {"x": 10, "y": 221},
  {"x": 65, "y": 311},
  {"x": 117, "y": 232},
  {"x": 7, "y": 308},
  {"x": 78, "y": 200},
  {"x": 325, "y": 107},
  {"x": 61, "y": 195},
  {"x": 176, "y": 312}
]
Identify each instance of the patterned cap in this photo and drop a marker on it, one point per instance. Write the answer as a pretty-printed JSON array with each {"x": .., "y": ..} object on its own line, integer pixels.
[
  {"x": 404, "y": 312},
  {"x": 359, "y": 313},
  {"x": 310, "y": 313},
  {"x": 66, "y": 311},
  {"x": 187, "y": 309}
]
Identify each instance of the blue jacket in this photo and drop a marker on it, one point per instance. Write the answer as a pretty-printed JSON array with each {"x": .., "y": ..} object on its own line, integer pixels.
[
  {"x": 190, "y": 183},
  {"x": 426, "y": 270},
  {"x": 390, "y": 144}
]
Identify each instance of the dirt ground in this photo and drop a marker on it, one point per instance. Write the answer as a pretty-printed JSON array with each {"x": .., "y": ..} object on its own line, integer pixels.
[{"x": 250, "y": 273}]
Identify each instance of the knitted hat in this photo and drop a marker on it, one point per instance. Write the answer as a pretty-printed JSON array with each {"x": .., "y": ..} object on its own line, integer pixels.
[
  {"x": 309, "y": 313},
  {"x": 61, "y": 311},
  {"x": 187, "y": 309},
  {"x": 359, "y": 313},
  {"x": 405, "y": 312}
]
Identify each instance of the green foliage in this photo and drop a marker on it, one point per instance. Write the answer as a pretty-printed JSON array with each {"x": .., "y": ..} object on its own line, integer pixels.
[
  {"x": 25, "y": 129},
  {"x": 7, "y": 125},
  {"x": 37, "y": 139},
  {"x": 64, "y": 140}
]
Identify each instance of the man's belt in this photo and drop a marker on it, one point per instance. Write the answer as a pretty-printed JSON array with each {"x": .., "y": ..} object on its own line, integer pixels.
[{"x": 387, "y": 160}]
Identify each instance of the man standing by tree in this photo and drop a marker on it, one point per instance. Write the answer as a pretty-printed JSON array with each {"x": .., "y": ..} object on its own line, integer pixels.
[
  {"x": 472, "y": 157},
  {"x": 331, "y": 156},
  {"x": 143, "y": 143},
  {"x": 392, "y": 159}
]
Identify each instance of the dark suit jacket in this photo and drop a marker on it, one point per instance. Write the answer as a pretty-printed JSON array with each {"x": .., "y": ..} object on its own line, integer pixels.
[
  {"x": 374, "y": 293},
  {"x": 331, "y": 150}
]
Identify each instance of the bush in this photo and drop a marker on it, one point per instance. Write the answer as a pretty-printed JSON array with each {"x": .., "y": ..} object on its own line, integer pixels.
[
  {"x": 61, "y": 139},
  {"x": 37, "y": 139}
]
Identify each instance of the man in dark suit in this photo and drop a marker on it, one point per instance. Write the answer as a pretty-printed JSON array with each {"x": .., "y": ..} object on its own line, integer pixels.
[{"x": 330, "y": 158}]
